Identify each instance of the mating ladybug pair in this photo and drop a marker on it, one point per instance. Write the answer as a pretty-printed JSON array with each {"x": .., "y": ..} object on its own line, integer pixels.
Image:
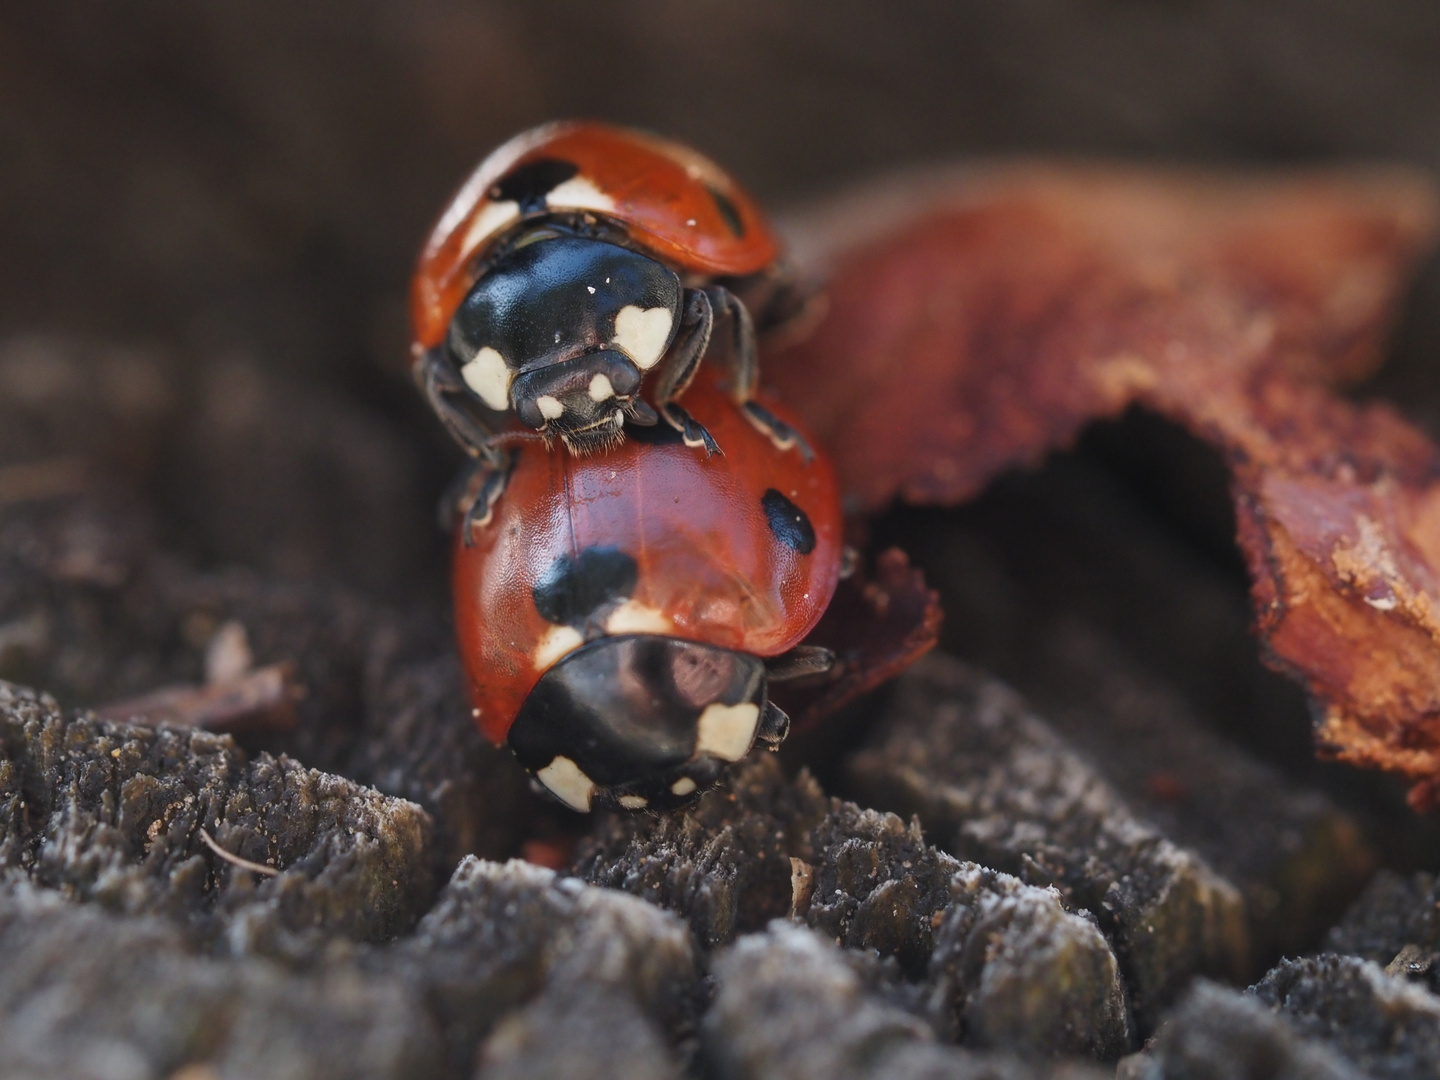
[{"x": 642, "y": 543}]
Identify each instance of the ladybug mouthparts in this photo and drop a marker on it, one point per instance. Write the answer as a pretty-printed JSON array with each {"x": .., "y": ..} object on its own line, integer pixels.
[
  {"x": 643, "y": 721},
  {"x": 584, "y": 401}
]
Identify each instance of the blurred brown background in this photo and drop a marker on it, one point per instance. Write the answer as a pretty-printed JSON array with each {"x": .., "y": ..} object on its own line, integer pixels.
[{"x": 239, "y": 187}]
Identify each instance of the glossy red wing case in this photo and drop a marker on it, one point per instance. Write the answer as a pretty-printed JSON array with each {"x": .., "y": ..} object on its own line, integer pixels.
[
  {"x": 740, "y": 550},
  {"x": 676, "y": 204}
]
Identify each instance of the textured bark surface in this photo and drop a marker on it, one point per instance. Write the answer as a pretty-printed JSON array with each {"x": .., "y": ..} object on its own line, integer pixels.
[
  {"x": 1396, "y": 924},
  {"x": 996, "y": 962},
  {"x": 996, "y": 785}
]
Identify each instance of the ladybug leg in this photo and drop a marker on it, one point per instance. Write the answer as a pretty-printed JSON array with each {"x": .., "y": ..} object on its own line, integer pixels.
[
  {"x": 697, "y": 319},
  {"x": 444, "y": 389},
  {"x": 774, "y": 725},
  {"x": 798, "y": 662},
  {"x": 780, "y": 433},
  {"x": 744, "y": 368},
  {"x": 679, "y": 367},
  {"x": 745, "y": 374},
  {"x": 691, "y": 430},
  {"x": 472, "y": 497},
  {"x": 785, "y": 308}
]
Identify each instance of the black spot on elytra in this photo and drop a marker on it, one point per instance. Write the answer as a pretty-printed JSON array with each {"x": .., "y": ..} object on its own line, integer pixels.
[
  {"x": 529, "y": 184},
  {"x": 574, "y": 588},
  {"x": 729, "y": 211},
  {"x": 788, "y": 522}
]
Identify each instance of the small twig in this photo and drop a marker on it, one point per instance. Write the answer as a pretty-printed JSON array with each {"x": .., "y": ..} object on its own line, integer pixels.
[
  {"x": 236, "y": 860},
  {"x": 262, "y": 700}
]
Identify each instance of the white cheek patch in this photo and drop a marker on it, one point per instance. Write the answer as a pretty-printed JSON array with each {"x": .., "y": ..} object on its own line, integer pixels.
[
  {"x": 555, "y": 644},
  {"x": 568, "y": 783},
  {"x": 550, "y": 408},
  {"x": 634, "y": 802},
  {"x": 488, "y": 222},
  {"x": 682, "y": 787},
  {"x": 488, "y": 376},
  {"x": 726, "y": 731},
  {"x": 633, "y": 617},
  {"x": 600, "y": 387},
  {"x": 578, "y": 193},
  {"x": 643, "y": 333}
]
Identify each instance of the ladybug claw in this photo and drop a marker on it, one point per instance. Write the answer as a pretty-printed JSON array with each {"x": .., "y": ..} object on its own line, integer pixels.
[
  {"x": 473, "y": 500},
  {"x": 690, "y": 429},
  {"x": 798, "y": 662},
  {"x": 774, "y": 726},
  {"x": 780, "y": 433}
]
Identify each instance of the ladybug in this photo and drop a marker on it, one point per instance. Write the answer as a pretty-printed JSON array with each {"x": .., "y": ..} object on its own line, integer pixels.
[
  {"x": 622, "y": 615},
  {"x": 578, "y": 259}
]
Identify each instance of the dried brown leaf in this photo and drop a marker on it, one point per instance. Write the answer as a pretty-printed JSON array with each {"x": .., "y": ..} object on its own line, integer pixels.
[
  {"x": 979, "y": 320},
  {"x": 878, "y": 624}
]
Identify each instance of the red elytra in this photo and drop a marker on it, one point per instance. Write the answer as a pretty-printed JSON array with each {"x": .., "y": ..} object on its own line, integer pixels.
[
  {"x": 711, "y": 567},
  {"x": 676, "y": 205}
]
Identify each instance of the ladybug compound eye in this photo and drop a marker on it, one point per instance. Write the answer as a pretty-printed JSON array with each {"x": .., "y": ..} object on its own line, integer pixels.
[
  {"x": 643, "y": 721},
  {"x": 583, "y": 401}
]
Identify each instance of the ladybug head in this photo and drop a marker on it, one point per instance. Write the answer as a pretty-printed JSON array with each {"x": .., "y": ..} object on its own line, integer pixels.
[
  {"x": 643, "y": 721},
  {"x": 583, "y": 402},
  {"x": 562, "y": 329}
]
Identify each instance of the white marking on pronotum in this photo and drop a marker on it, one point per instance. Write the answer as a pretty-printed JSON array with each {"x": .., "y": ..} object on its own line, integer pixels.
[
  {"x": 488, "y": 376},
  {"x": 682, "y": 787},
  {"x": 634, "y": 802},
  {"x": 578, "y": 193},
  {"x": 633, "y": 617},
  {"x": 643, "y": 333},
  {"x": 726, "y": 731},
  {"x": 568, "y": 783},
  {"x": 549, "y": 407},
  {"x": 555, "y": 644},
  {"x": 488, "y": 222},
  {"x": 600, "y": 387},
  {"x": 590, "y": 289}
]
